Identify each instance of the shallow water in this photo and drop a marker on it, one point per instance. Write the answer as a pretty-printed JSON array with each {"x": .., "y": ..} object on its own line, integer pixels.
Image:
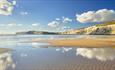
[{"x": 40, "y": 56}]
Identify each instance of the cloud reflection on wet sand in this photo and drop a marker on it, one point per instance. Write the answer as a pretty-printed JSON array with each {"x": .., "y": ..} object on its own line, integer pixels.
[
  {"x": 6, "y": 60},
  {"x": 102, "y": 54}
]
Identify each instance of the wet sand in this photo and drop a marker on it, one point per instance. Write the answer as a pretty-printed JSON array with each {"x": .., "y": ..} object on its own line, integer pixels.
[
  {"x": 110, "y": 42},
  {"x": 2, "y": 50}
]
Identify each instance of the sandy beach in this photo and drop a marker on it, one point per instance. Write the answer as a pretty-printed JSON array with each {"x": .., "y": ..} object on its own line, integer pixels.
[{"x": 109, "y": 42}]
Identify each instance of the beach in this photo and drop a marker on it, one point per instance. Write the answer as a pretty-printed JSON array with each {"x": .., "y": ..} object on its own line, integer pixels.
[{"x": 107, "y": 42}]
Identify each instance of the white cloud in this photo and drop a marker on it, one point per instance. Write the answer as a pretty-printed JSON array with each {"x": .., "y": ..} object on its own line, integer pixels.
[
  {"x": 14, "y": 24},
  {"x": 96, "y": 16},
  {"x": 66, "y": 27},
  {"x": 102, "y": 54},
  {"x": 35, "y": 24},
  {"x": 53, "y": 24},
  {"x": 66, "y": 20},
  {"x": 23, "y": 13},
  {"x": 14, "y": 2},
  {"x": 6, "y": 7},
  {"x": 11, "y": 24},
  {"x": 63, "y": 28},
  {"x": 59, "y": 22},
  {"x": 58, "y": 19}
]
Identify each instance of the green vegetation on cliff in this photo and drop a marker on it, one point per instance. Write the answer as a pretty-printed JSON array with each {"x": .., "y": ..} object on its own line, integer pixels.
[{"x": 106, "y": 23}]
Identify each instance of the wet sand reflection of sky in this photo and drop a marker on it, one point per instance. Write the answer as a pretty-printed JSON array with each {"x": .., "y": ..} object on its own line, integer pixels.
[
  {"x": 55, "y": 58},
  {"x": 102, "y": 54}
]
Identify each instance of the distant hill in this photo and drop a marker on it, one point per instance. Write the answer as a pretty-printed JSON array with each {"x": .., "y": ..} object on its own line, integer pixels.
[
  {"x": 35, "y": 32},
  {"x": 106, "y": 28}
]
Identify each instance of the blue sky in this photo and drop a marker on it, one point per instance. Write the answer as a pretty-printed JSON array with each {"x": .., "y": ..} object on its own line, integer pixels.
[{"x": 53, "y": 15}]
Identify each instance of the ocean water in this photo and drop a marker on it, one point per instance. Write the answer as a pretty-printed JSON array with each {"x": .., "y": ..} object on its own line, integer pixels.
[{"x": 40, "y": 56}]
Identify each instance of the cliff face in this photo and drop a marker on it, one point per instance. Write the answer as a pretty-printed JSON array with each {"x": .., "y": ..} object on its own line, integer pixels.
[{"x": 100, "y": 29}]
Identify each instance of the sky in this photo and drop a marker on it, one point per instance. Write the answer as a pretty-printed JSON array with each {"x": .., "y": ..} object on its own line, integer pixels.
[{"x": 53, "y": 15}]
